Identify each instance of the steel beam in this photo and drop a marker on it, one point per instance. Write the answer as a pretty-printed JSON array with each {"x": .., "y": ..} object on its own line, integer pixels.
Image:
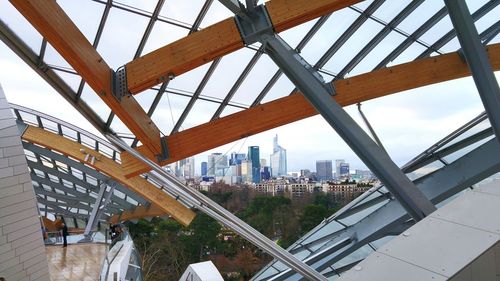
[
  {"x": 438, "y": 186},
  {"x": 95, "y": 210},
  {"x": 477, "y": 59},
  {"x": 485, "y": 9},
  {"x": 206, "y": 205},
  {"x": 18, "y": 46},
  {"x": 298, "y": 71}
]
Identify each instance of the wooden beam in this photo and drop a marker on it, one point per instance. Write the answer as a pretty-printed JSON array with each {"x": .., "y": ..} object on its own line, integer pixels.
[
  {"x": 183, "y": 55},
  {"x": 55, "y": 26},
  {"x": 217, "y": 40},
  {"x": 286, "y": 14},
  {"x": 138, "y": 213},
  {"x": 109, "y": 167},
  {"x": 292, "y": 108}
]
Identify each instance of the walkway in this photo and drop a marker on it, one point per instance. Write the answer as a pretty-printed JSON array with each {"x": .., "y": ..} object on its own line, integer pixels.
[{"x": 75, "y": 262}]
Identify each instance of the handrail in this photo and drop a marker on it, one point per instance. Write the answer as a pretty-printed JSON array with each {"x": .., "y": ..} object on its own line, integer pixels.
[{"x": 39, "y": 117}]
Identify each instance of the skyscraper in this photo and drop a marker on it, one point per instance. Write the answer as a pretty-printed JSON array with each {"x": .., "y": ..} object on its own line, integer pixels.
[
  {"x": 254, "y": 158},
  {"x": 185, "y": 168},
  {"x": 204, "y": 168},
  {"x": 324, "y": 169},
  {"x": 217, "y": 164},
  {"x": 278, "y": 159},
  {"x": 337, "y": 167},
  {"x": 344, "y": 170},
  {"x": 236, "y": 158}
]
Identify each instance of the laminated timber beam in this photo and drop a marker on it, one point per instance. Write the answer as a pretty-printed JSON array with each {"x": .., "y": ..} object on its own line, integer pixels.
[
  {"x": 54, "y": 25},
  {"x": 109, "y": 167},
  {"x": 139, "y": 212},
  {"x": 295, "y": 107},
  {"x": 217, "y": 40}
]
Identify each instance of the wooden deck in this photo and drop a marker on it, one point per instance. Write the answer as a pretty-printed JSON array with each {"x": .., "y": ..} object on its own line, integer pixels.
[{"x": 75, "y": 262}]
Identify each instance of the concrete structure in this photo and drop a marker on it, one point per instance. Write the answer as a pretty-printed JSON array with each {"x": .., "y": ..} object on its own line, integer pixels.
[{"x": 22, "y": 252}]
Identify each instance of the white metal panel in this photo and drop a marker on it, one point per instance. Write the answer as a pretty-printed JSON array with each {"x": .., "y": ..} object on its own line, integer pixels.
[{"x": 380, "y": 267}]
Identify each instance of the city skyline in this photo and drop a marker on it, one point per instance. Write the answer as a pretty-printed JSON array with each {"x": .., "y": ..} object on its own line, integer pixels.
[
  {"x": 219, "y": 161},
  {"x": 421, "y": 118}
]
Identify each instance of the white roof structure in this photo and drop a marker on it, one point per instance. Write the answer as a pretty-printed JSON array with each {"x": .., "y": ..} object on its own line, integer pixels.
[{"x": 202, "y": 271}]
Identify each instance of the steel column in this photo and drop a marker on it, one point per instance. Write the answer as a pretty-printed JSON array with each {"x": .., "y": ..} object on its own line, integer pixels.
[
  {"x": 477, "y": 59},
  {"x": 299, "y": 72},
  {"x": 95, "y": 210}
]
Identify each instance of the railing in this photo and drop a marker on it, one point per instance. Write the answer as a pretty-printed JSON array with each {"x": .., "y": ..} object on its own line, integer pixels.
[
  {"x": 50, "y": 123},
  {"x": 121, "y": 251}
]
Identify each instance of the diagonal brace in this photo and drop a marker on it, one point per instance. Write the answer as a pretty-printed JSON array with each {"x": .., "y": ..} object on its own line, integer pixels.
[
  {"x": 477, "y": 59},
  {"x": 378, "y": 161}
]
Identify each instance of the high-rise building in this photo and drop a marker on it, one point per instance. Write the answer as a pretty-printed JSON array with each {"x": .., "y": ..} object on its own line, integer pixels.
[
  {"x": 254, "y": 158},
  {"x": 204, "y": 168},
  {"x": 337, "y": 167},
  {"x": 212, "y": 159},
  {"x": 185, "y": 168},
  {"x": 265, "y": 174},
  {"x": 324, "y": 170},
  {"x": 236, "y": 158},
  {"x": 217, "y": 164},
  {"x": 246, "y": 170},
  {"x": 278, "y": 159},
  {"x": 344, "y": 170},
  {"x": 221, "y": 166}
]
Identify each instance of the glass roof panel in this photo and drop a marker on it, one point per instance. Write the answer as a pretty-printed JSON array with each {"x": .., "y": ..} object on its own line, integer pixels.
[
  {"x": 161, "y": 35},
  {"x": 119, "y": 40},
  {"x": 255, "y": 81},
  {"x": 423, "y": 12},
  {"x": 190, "y": 80},
  {"x": 437, "y": 31},
  {"x": 15, "y": 21},
  {"x": 282, "y": 88},
  {"x": 227, "y": 72},
  {"x": 216, "y": 13},
  {"x": 355, "y": 43},
  {"x": 331, "y": 30},
  {"x": 168, "y": 112},
  {"x": 181, "y": 10},
  {"x": 201, "y": 113},
  {"x": 382, "y": 49},
  {"x": 409, "y": 54},
  {"x": 390, "y": 9},
  {"x": 86, "y": 15}
]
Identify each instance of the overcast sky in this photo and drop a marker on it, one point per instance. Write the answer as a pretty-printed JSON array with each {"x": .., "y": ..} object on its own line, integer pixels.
[{"x": 407, "y": 123}]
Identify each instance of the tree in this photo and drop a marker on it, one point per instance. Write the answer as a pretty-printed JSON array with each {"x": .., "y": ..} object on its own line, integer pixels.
[{"x": 312, "y": 216}]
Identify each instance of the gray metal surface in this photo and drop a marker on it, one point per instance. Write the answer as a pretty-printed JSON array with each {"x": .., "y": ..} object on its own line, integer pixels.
[
  {"x": 375, "y": 214},
  {"x": 416, "y": 204},
  {"x": 477, "y": 59}
]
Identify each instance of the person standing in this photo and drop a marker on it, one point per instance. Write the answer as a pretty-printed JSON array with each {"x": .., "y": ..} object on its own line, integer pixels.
[{"x": 64, "y": 234}]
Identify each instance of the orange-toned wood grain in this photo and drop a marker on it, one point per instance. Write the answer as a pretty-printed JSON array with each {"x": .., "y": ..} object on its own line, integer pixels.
[
  {"x": 51, "y": 21},
  {"x": 109, "y": 167},
  {"x": 183, "y": 55},
  {"x": 292, "y": 108},
  {"x": 286, "y": 14}
]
